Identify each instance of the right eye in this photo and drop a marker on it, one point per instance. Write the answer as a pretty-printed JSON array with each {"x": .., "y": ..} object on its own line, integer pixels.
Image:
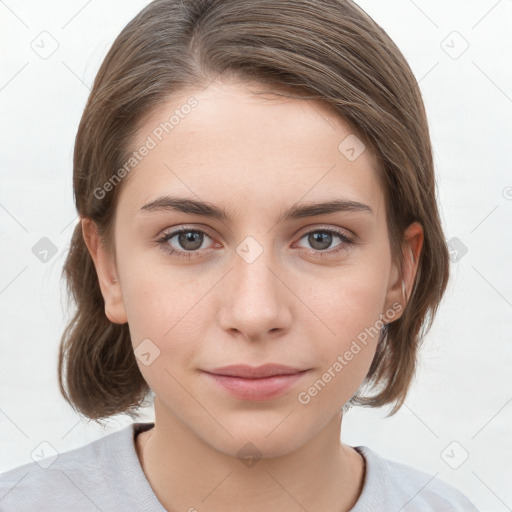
[{"x": 190, "y": 240}]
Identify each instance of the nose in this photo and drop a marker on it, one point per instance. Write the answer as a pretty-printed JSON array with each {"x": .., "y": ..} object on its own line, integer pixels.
[{"x": 257, "y": 300}]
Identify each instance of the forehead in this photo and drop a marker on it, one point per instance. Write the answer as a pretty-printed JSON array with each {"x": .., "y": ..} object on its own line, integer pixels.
[{"x": 242, "y": 145}]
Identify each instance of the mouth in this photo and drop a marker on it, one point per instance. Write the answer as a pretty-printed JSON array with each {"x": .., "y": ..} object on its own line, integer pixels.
[
  {"x": 256, "y": 372},
  {"x": 257, "y": 383}
]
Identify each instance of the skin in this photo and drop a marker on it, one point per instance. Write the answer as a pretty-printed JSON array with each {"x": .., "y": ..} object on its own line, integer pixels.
[{"x": 255, "y": 157}]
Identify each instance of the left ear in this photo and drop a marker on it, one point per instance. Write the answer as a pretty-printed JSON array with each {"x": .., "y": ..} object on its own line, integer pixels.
[{"x": 402, "y": 280}]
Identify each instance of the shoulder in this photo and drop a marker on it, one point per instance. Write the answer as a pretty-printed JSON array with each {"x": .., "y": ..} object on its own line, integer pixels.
[
  {"x": 79, "y": 479},
  {"x": 393, "y": 485}
]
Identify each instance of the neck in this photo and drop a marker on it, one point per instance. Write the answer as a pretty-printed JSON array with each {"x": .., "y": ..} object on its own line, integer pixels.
[{"x": 324, "y": 474}]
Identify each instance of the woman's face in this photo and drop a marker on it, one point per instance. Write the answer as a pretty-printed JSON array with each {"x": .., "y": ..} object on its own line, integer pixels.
[{"x": 267, "y": 282}]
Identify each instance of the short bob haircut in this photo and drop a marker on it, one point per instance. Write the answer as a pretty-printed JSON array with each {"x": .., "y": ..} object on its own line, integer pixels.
[{"x": 328, "y": 50}]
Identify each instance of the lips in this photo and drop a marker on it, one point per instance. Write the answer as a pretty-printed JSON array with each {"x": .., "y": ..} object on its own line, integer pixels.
[
  {"x": 256, "y": 372},
  {"x": 258, "y": 383}
]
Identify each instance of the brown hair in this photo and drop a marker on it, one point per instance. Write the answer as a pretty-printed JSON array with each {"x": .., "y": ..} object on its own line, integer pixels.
[{"x": 328, "y": 50}]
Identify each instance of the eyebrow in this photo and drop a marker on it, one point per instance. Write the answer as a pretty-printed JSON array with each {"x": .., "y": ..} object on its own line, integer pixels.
[{"x": 297, "y": 211}]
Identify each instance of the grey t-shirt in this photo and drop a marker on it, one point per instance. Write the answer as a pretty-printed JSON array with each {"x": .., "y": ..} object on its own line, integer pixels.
[{"x": 106, "y": 476}]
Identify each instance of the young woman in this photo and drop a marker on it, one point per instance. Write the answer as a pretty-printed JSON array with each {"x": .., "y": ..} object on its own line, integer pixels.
[{"x": 259, "y": 248}]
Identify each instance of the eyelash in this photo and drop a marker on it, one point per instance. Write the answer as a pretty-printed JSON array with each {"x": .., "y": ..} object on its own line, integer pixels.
[{"x": 162, "y": 241}]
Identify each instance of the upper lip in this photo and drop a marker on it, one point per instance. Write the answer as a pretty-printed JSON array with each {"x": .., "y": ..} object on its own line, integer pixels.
[{"x": 247, "y": 371}]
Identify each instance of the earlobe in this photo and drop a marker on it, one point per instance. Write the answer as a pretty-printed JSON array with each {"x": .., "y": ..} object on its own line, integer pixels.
[{"x": 106, "y": 271}]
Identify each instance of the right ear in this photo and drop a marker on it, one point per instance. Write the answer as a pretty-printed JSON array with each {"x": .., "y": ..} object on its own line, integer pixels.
[{"x": 106, "y": 270}]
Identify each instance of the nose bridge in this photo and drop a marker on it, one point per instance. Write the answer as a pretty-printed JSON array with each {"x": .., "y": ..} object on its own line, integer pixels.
[{"x": 256, "y": 301}]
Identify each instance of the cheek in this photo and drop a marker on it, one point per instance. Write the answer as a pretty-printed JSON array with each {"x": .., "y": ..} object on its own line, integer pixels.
[
  {"x": 167, "y": 307},
  {"x": 350, "y": 310},
  {"x": 348, "y": 303},
  {"x": 158, "y": 296}
]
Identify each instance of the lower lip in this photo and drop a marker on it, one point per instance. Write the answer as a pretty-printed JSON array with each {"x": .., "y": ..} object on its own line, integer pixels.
[{"x": 257, "y": 389}]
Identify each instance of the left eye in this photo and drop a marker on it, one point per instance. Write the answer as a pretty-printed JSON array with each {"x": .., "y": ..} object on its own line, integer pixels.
[
  {"x": 191, "y": 241},
  {"x": 321, "y": 239}
]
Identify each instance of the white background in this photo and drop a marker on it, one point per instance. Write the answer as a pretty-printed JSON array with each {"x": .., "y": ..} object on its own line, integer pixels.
[{"x": 462, "y": 391}]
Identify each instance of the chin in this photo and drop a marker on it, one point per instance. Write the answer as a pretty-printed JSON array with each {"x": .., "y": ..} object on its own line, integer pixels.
[{"x": 264, "y": 439}]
